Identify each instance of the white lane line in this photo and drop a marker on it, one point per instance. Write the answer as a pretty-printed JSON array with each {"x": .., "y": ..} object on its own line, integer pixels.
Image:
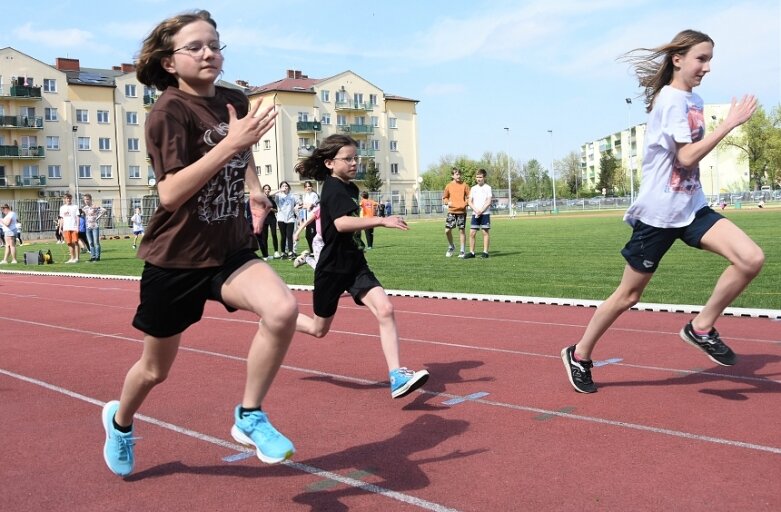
[{"x": 305, "y": 468}]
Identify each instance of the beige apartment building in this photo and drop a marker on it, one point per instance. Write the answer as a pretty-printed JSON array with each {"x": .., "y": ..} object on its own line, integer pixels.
[
  {"x": 67, "y": 128},
  {"x": 385, "y": 127},
  {"x": 721, "y": 170}
]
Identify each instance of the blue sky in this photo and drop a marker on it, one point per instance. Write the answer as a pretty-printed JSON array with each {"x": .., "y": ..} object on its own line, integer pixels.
[{"x": 476, "y": 67}]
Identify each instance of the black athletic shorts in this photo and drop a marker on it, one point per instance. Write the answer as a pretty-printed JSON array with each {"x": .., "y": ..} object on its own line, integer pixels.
[
  {"x": 173, "y": 299},
  {"x": 329, "y": 286}
]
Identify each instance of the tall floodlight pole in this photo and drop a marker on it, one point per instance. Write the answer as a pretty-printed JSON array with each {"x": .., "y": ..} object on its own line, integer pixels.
[
  {"x": 553, "y": 172},
  {"x": 75, "y": 166},
  {"x": 629, "y": 138},
  {"x": 718, "y": 188},
  {"x": 509, "y": 177}
]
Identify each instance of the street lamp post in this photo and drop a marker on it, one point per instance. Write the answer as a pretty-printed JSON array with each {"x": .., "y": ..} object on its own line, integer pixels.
[
  {"x": 509, "y": 177},
  {"x": 718, "y": 188},
  {"x": 629, "y": 149},
  {"x": 553, "y": 173},
  {"x": 75, "y": 166}
]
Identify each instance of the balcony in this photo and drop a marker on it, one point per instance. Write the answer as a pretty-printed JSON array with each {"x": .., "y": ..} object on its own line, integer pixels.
[
  {"x": 365, "y": 153},
  {"x": 22, "y": 122},
  {"x": 149, "y": 100},
  {"x": 17, "y": 181},
  {"x": 16, "y": 152},
  {"x": 362, "y": 106},
  {"x": 20, "y": 92},
  {"x": 356, "y": 129},
  {"x": 308, "y": 126}
]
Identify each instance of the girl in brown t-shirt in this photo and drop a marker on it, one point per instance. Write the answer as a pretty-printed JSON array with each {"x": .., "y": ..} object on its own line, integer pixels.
[{"x": 198, "y": 244}]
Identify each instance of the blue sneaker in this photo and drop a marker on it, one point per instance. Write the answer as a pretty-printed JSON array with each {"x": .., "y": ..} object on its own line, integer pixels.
[
  {"x": 404, "y": 381},
  {"x": 118, "y": 449},
  {"x": 254, "y": 429}
]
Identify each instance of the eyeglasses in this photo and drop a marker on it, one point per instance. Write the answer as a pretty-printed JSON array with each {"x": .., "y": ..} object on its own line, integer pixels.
[
  {"x": 348, "y": 160},
  {"x": 197, "y": 48}
]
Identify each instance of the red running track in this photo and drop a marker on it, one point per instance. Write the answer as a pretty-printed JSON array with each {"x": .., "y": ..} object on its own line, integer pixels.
[{"x": 497, "y": 427}]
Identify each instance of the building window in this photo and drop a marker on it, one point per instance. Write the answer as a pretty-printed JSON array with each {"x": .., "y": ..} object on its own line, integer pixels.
[
  {"x": 136, "y": 202},
  {"x": 134, "y": 172},
  {"x": 358, "y": 98},
  {"x": 376, "y": 144},
  {"x": 341, "y": 96},
  {"x": 50, "y": 114},
  {"x": 391, "y": 122},
  {"x": 55, "y": 172},
  {"x": 394, "y": 145},
  {"x": 304, "y": 142},
  {"x": 82, "y": 116},
  {"x": 303, "y": 117},
  {"x": 325, "y": 119},
  {"x": 103, "y": 117},
  {"x": 266, "y": 144},
  {"x": 341, "y": 120},
  {"x": 104, "y": 144},
  {"x": 375, "y": 121},
  {"x": 53, "y": 142},
  {"x": 268, "y": 169},
  {"x": 84, "y": 144},
  {"x": 325, "y": 96},
  {"x": 130, "y": 90},
  {"x": 30, "y": 171},
  {"x": 132, "y": 144},
  {"x": 105, "y": 171},
  {"x": 394, "y": 168},
  {"x": 131, "y": 117},
  {"x": 49, "y": 85},
  {"x": 85, "y": 171},
  {"x": 373, "y": 100}
]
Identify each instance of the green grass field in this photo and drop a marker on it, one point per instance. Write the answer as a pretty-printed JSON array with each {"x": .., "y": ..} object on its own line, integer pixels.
[{"x": 570, "y": 256}]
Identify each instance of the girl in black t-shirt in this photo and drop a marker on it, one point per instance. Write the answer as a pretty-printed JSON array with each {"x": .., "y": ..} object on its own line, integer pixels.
[{"x": 342, "y": 266}]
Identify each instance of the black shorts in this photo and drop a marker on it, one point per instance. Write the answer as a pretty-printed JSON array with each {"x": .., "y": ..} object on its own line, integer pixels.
[
  {"x": 173, "y": 299},
  {"x": 329, "y": 286},
  {"x": 648, "y": 244}
]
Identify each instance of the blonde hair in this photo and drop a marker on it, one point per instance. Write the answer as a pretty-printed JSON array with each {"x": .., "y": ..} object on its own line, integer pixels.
[
  {"x": 159, "y": 44},
  {"x": 654, "y": 66}
]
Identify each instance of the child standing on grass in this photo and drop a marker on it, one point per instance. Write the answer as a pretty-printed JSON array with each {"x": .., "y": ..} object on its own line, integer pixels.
[
  {"x": 198, "y": 244},
  {"x": 480, "y": 197},
  {"x": 671, "y": 203},
  {"x": 342, "y": 265},
  {"x": 138, "y": 226}
]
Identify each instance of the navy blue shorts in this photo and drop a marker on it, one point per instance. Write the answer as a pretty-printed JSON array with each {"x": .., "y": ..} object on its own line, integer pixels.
[
  {"x": 649, "y": 244},
  {"x": 173, "y": 299},
  {"x": 481, "y": 222},
  {"x": 329, "y": 286}
]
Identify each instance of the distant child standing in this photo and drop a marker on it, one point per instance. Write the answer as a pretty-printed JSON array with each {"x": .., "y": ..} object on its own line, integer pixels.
[
  {"x": 138, "y": 226},
  {"x": 455, "y": 198},
  {"x": 368, "y": 209},
  {"x": 286, "y": 218},
  {"x": 269, "y": 228},
  {"x": 198, "y": 244},
  {"x": 8, "y": 228},
  {"x": 92, "y": 214},
  {"x": 69, "y": 225},
  {"x": 342, "y": 265},
  {"x": 671, "y": 204},
  {"x": 480, "y": 198}
]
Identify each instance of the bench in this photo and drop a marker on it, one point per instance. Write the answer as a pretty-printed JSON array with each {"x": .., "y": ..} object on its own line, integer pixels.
[{"x": 535, "y": 211}]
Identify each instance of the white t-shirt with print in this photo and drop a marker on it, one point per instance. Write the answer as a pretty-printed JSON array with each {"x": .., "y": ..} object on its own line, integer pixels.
[{"x": 670, "y": 194}]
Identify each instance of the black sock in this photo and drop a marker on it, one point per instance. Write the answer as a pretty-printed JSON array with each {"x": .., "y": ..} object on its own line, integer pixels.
[
  {"x": 124, "y": 430},
  {"x": 243, "y": 411}
]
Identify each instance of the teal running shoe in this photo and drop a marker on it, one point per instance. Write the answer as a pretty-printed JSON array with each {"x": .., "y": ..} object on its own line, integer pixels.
[
  {"x": 255, "y": 430},
  {"x": 118, "y": 449},
  {"x": 404, "y": 381}
]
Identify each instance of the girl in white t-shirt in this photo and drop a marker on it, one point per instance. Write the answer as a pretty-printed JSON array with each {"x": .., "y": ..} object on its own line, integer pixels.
[
  {"x": 671, "y": 204},
  {"x": 8, "y": 227}
]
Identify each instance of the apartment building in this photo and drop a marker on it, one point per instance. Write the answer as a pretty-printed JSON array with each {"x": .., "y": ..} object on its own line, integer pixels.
[
  {"x": 68, "y": 128},
  {"x": 310, "y": 109},
  {"x": 721, "y": 170}
]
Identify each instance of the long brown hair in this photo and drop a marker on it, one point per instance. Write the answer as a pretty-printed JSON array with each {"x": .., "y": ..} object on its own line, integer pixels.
[
  {"x": 654, "y": 66},
  {"x": 313, "y": 167},
  {"x": 159, "y": 44}
]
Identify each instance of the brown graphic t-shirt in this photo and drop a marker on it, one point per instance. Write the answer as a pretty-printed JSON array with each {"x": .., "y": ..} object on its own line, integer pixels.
[{"x": 211, "y": 225}]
